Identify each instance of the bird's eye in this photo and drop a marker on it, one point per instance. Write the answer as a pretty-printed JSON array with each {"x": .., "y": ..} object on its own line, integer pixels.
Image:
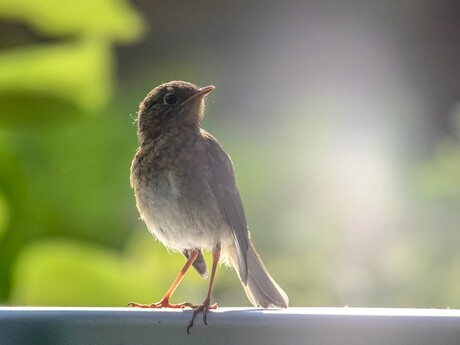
[{"x": 171, "y": 99}]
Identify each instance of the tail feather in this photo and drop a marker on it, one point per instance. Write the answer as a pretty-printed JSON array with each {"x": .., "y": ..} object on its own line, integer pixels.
[{"x": 261, "y": 289}]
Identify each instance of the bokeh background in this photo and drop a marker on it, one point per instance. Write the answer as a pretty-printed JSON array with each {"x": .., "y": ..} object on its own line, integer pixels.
[{"x": 342, "y": 118}]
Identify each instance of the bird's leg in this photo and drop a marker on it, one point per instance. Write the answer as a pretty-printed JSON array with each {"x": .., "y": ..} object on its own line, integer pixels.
[
  {"x": 206, "y": 305},
  {"x": 164, "y": 302}
]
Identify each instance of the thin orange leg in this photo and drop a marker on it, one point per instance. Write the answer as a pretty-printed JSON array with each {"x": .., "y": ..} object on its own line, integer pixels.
[
  {"x": 164, "y": 302},
  {"x": 206, "y": 305}
]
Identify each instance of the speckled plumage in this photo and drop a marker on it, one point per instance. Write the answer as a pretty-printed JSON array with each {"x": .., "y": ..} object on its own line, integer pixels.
[
  {"x": 185, "y": 188},
  {"x": 173, "y": 192}
]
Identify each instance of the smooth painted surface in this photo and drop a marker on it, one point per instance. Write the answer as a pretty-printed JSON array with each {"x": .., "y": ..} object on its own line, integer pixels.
[{"x": 27, "y": 325}]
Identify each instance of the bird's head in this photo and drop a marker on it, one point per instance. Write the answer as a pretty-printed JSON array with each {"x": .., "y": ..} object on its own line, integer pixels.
[{"x": 176, "y": 103}]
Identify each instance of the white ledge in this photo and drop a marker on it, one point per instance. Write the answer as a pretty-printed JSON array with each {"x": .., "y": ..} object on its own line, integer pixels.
[{"x": 57, "y": 325}]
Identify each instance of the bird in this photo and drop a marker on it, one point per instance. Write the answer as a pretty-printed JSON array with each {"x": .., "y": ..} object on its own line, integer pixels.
[{"x": 185, "y": 189}]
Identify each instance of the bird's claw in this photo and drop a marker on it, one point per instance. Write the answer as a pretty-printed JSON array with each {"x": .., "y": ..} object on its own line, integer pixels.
[
  {"x": 164, "y": 303},
  {"x": 201, "y": 308}
]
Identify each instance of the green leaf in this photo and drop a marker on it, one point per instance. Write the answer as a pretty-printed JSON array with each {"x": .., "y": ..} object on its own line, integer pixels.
[
  {"x": 79, "y": 72},
  {"x": 110, "y": 19}
]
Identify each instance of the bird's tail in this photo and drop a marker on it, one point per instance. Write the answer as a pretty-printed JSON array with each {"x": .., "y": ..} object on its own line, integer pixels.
[{"x": 261, "y": 289}]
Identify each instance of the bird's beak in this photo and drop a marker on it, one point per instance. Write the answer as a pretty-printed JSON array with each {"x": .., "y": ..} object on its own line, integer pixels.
[
  {"x": 200, "y": 94},
  {"x": 205, "y": 90}
]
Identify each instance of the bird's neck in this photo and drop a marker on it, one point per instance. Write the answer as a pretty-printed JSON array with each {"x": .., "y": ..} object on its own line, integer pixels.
[{"x": 157, "y": 137}]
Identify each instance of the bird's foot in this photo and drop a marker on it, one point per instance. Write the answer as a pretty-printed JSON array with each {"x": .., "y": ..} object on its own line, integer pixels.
[
  {"x": 164, "y": 303},
  {"x": 201, "y": 308}
]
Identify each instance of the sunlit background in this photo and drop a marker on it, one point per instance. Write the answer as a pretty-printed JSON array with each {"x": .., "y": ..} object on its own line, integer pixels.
[{"x": 342, "y": 119}]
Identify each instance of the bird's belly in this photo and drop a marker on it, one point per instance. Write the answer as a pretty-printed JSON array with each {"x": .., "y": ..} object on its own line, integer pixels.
[{"x": 178, "y": 222}]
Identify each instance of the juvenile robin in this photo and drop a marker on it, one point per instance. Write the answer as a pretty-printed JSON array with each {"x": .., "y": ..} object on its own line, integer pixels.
[{"x": 186, "y": 193}]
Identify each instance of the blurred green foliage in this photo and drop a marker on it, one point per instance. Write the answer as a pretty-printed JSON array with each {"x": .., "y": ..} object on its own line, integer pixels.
[
  {"x": 78, "y": 72},
  {"x": 67, "y": 272},
  {"x": 108, "y": 19},
  {"x": 50, "y": 190},
  {"x": 4, "y": 215},
  {"x": 439, "y": 177}
]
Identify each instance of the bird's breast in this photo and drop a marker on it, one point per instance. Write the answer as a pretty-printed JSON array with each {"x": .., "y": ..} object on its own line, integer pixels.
[{"x": 176, "y": 202}]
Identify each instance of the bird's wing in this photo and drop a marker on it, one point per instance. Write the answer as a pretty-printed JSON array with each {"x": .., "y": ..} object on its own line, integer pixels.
[{"x": 223, "y": 185}]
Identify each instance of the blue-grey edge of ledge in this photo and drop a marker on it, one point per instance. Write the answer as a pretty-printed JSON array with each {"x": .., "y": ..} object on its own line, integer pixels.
[{"x": 63, "y": 325}]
